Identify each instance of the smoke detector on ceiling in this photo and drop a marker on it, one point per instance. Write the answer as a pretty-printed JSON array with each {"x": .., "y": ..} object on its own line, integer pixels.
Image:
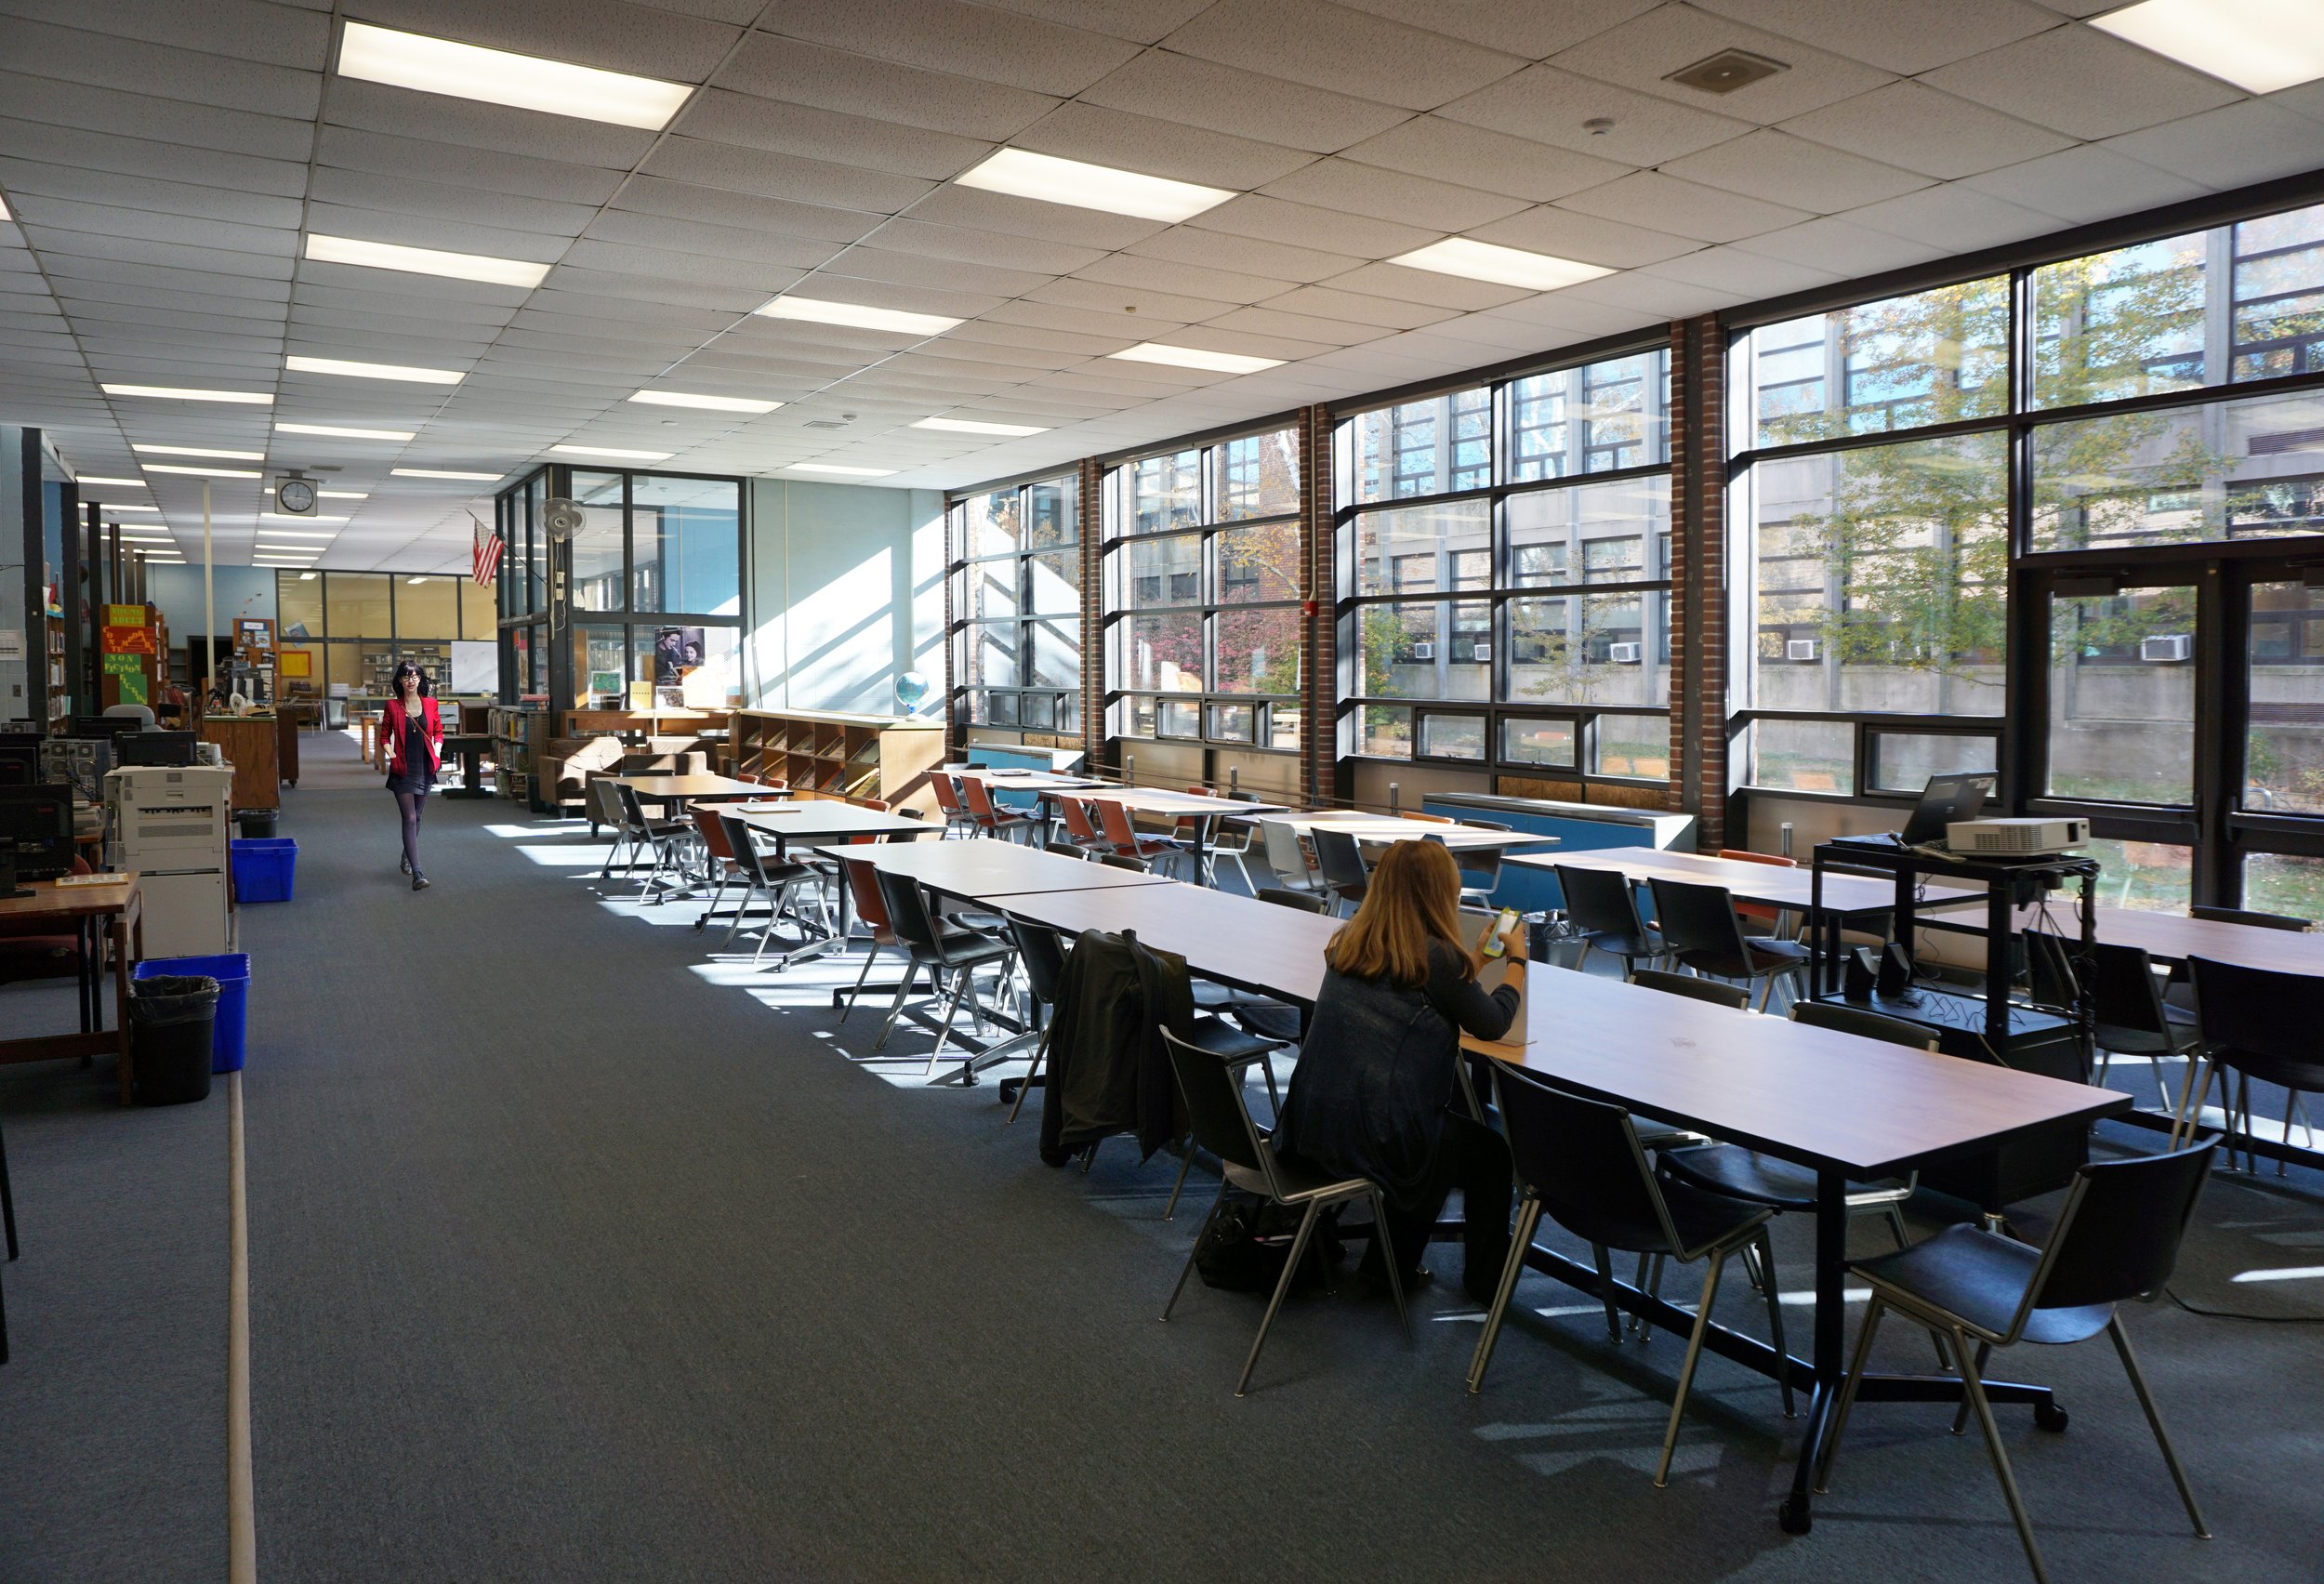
[
  {"x": 1725, "y": 71},
  {"x": 840, "y": 422}
]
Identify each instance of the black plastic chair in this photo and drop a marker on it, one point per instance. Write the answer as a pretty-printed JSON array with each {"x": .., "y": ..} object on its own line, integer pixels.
[
  {"x": 1341, "y": 863},
  {"x": 1218, "y": 1120},
  {"x": 1699, "y": 928},
  {"x": 1303, "y": 901},
  {"x": 665, "y": 840},
  {"x": 1582, "y": 1166},
  {"x": 1732, "y": 997},
  {"x": 2245, "y": 915},
  {"x": 946, "y": 950},
  {"x": 1601, "y": 908},
  {"x": 1044, "y": 957},
  {"x": 2255, "y": 1023},
  {"x": 2131, "y": 1016},
  {"x": 2117, "y": 1238},
  {"x": 1481, "y": 866},
  {"x": 776, "y": 880},
  {"x": 1117, "y": 861}
]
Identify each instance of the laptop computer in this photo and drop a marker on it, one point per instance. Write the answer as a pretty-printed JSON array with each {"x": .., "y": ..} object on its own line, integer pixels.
[{"x": 1954, "y": 795}]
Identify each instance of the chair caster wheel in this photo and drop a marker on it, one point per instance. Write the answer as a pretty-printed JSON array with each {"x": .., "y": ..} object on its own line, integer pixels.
[
  {"x": 2050, "y": 1417},
  {"x": 1794, "y": 1516}
]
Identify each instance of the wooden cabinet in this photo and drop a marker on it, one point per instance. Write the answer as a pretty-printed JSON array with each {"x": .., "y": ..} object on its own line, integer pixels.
[
  {"x": 854, "y": 756},
  {"x": 248, "y": 743}
]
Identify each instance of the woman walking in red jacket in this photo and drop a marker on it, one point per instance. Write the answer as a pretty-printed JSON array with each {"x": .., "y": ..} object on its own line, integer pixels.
[{"x": 411, "y": 748}]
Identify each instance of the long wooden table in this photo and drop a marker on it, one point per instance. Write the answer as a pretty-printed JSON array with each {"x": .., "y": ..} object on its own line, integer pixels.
[
  {"x": 1234, "y": 939},
  {"x": 1378, "y": 830},
  {"x": 696, "y": 789},
  {"x": 1771, "y": 885},
  {"x": 2174, "y": 937},
  {"x": 989, "y": 870},
  {"x": 822, "y": 821},
  {"x": 106, "y": 913}
]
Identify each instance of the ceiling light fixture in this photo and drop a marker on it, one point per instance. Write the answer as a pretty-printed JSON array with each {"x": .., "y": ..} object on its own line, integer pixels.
[
  {"x": 325, "y": 249},
  {"x": 613, "y": 452},
  {"x": 333, "y": 495},
  {"x": 1195, "y": 357},
  {"x": 440, "y": 473},
  {"x": 838, "y": 469},
  {"x": 134, "y": 483},
  {"x": 373, "y": 371},
  {"x": 821, "y": 311},
  {"x": 182, "y": 393},
  {"x": 306, "y": 577},
  {"x": 969, "y": 426},
  {"x": 497, "y": 76},
  {"x": 1502, "y": 266},
  {"x": 124, "y": 506},
  {"x": 202, "y": 472},
  {"x": 414, "y": 580},
  {"x": 2259, "y": 46},
  {"x": 301, "y": 534},
  {"x": 312, "y": 517},
  {"x": 1023, "y": 174},
  {"x": 289, "y": 551},
  {"x": 343, "y": 433},
  {"x": 709, "y": 403},
  {"x": 201, "y": 451}
]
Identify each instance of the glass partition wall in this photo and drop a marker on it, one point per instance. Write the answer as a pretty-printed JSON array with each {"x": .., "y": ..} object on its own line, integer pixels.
[
  {"x": 349, "y": 629},
  {"x": 1015, "y": 564}
]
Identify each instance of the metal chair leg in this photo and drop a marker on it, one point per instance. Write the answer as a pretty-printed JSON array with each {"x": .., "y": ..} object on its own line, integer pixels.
[
  {"x": 1185, "y": 1162},
  {"x": 1283, "y": 1284},
  {"x": 1528, "y": 1216},
  {"x": 1774, "y": 1319},
  {"x": 7, "y": 1197},
  {"x": 895, "y": 1008},
  {"x": 1961, "y": 1414},
  {"x": 1974, "y": 1386},
  {"x": 1686, "y": 1369},
  {"x": 1606, "y": 1292},
  {"x": 1025, "y": 1085},
  {"x": 869, "y": 958},
  {"x": 702, "y": 923},
  {"x": 1388, "y": 1259},
  {"x": 952, "y": 1010},
  {"x": 2154, "y": 1420},
  {"x": 1189, "y": 1269},
  {"x": 1848, "y": 1393}
]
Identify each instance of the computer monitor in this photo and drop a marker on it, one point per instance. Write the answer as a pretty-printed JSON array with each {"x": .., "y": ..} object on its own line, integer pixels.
[
  {"x": 104, "y": 725},
  {"x": 19, "y": 757},
  {"x": 172, "y": 748},
  {"x": 36, "y": 823},
  {"x": 1956, "y": 795}
]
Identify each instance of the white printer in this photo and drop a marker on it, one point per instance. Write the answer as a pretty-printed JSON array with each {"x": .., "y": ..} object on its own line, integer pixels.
[{"x": 170, "y": 823}]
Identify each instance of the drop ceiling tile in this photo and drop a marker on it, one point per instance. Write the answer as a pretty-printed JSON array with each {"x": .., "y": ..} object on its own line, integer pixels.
[
  {"x": 1747, "y": 275},
  {"x": 1954, "y": 218},
  {"x": 1836, "y": 245},
  {"x": 737, "y": 169},
  {"x": 407, "y": 230},
  {"x": 348, "y": 152},
  {"x": 912, "y": 234},
  {"x": 2087, "y": 183},
  {"x": 532, "y": 134},
  {"x": 227, "y": 82},
  {"x": 1532, "y": 31},
  {"x": 918, "y": 270},
  {"x": 970, "y": 210},
  {"x": 1022, "y": 361},
  {"x": 806, "y": 132},
  {"x": 1032, "y": 338},
  {"x": 652, "y": 289},
  {"x": 143, "y": 158},
  {"x": 968, "y": 41},
  {"x": 1325, "y": 302},
  {"x": 1566, "y": 234},
  {"x": 555, "y": 308},
  {"x": 1643, "y": 53},
  {"x": 371, "y": 291},
  {"x": 1392, "y": 195},
  {"x": 777, "y": 68},
  {"x": 742, "y": 277},
  {"x": 1783, "y": 169},
  {"x": 1550, "y": 106},
  {"x": 612, "y": 36},
  {"x": 1915, "y": 128},
  {"x": 2082, "y": 82},
  {"x": 2234, "y": 146},
  {"x": 1089, "y": 132},
  {"x": 23, "y": 178},
  {"x": 1132, "y": 301},
  {"x": 243, "y": 283},
  {"x": 96, "y": 298},
  {"x": 1493, "y": 162},
  {"x": 238, "y": 27},
  {"x": 1247, "y": 256},
  {"x": 1189, "y": 280},
  {"x": 1642, "y": 292},
  {"x": 1906, "y": 36},
  {"x": 1122, "y": 329},
  {"x": 1142, "y": 21},
  {"x": 1542, "y": 324},
  {"x": 1225, "y": 98},
  {"x": 439, "y": 201},
  {"x": 1326, "y": 46},
  {"x": 148, "y": 118},
  {"x": 141, "y": 250},
  {"x": 107, "y": 219},
  {"x": 1425, "y": 286},
  {"x": 1685, "y": 208},
  {"x": 1302, "y": 225},
  {"x": 645, "y": 235}
]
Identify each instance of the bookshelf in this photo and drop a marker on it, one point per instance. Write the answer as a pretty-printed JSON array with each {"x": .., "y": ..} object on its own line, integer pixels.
[
  {"x": 852, "y": 756},
  {"x": 516, "y": 735}
]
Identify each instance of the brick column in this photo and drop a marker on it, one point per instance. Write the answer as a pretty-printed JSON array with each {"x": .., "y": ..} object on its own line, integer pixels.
[
  {"x": 1699, "y": 595},
  {"x": 1091, "y": 507},
  {"x": 1319, "y": 715}
]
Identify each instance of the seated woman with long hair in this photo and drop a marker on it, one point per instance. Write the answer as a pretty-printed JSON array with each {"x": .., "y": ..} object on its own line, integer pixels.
[{"x": 1376, "y": 1094}]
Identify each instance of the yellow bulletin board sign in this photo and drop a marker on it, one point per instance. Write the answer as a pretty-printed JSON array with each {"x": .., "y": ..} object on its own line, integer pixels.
[
  {"x": 125, "y": 616},
  {"x": 295, "y": 662}
]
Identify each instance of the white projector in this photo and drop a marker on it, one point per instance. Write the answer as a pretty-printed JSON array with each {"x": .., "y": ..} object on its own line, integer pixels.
[{"x": 2016, "y": 838}]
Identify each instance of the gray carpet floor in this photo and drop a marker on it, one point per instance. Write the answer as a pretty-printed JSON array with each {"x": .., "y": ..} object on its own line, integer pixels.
[{"x": 580, "y": 1253}]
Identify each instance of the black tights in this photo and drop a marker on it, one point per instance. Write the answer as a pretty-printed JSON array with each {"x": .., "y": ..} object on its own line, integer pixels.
[{"x": 411, "y": 805}]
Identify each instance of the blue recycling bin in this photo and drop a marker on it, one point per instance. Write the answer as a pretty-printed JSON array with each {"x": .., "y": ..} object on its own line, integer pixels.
[
  {"x": 233, "y": 973},
  {"x": 265, "y": 867}
]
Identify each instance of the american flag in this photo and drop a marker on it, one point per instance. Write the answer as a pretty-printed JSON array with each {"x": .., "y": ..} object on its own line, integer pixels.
[{"x": 487, "y": 555}]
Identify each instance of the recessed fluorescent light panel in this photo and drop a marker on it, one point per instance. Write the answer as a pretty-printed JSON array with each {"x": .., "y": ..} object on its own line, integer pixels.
[
  {"x": 439, "y": 473},
  {"x": 1195, "y": 357},
  {"x": 278, "y": 517},
  {"x": 1024, "y": 173},
  {"x": 202, "y": 472},
  {"x": 2259, "y": 46},
  {"x": 182, "y": 393},
  {"x": 969, "y": 426},
  {"x": 836, "y": 468},
  {"x": 136, "y": 483},
  {"x": 374, "y": 371},
  {"x": 495, "y": 76},
  {"x": 1502, "y": 266},
  {"x": 424, "y": 261},
  {"x": 820, "y": 311},
  {"x": 333, "y": 495},
  {"x": 115, "y": 505},
  {"x": 707, "y": 403},
  {"x": 340, "y": 433},
  {"x": 201, "y": 451},
  {"x": 298, "y": 533},
  {"x": 614, "y": 453}
]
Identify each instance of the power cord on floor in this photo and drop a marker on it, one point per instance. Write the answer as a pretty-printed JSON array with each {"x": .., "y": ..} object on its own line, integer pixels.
[{"x": 2238, "y": 1314}]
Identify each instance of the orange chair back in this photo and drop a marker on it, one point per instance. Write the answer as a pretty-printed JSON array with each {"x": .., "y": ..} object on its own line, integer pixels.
[
  {"x": 863, "y": 884},
  {"x": 1758, "y": 910},
  {"x": 1078, "y": 826},
  {"x": 713, "y": 834},
  {"x": 1115, "y": 820},
  {"x": 948, "y": 793}
]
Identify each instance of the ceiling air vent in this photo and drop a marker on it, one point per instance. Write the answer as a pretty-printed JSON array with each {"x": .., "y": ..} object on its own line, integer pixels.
[
  {"x": 1725, "y": 71},
  {"x": 824, "y": 423}
]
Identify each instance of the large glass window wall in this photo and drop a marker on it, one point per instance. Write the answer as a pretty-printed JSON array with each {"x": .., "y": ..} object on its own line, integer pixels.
[{"x": 1016, "y": 606}]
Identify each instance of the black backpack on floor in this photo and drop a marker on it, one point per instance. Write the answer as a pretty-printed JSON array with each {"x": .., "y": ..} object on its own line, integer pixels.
[{"x": 1243, "y": 1245}]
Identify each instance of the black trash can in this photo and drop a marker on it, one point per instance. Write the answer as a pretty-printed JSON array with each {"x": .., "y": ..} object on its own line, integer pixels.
[
  {"x": 256, "y": 823},
  {"x": 170, "y": 1021}
]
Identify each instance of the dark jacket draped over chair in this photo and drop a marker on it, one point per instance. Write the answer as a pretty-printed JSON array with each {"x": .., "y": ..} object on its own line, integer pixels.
[{"x": 1109, "y": 1072}]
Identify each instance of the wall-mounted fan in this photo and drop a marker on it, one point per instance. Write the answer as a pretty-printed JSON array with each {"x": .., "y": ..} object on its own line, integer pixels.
[{"x": 562, "y": 517}]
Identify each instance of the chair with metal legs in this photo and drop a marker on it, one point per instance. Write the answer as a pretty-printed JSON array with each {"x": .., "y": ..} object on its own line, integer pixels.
[
  {"x": 606, "y": 809},
  {"x": 1699, "y": 928},
  {"x": 1341, "y": 860},
  {"x": 777, "y": 881},
  {"x": 718, "y": 853},
  {"x": 945, "y": 950},
  {"x": 1043, "y": 955},
  {"x": 1582, "y": 1165},
  {"x": 662, "y": 838},
  {"x": 1121, "y": 838},
  {"x": 993, "y": 821},
  {"x": 1716, "y": 991},
  {"x": 1220, "y": 1121},
  {"x": 1082, "y": 837},
  {"x": 948, "y": 792},
  {"x": 2117, "y": 1238},
  {"x": 1288, "y": 858},
  {"x": 2256, "y": 1022},
  {"x": 1481, "y": 866},
  {"x": 871, "y": 911},
  {"x": 1601, "y": 907}
]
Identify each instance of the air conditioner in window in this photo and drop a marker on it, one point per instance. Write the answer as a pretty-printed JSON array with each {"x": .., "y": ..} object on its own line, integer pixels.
[
  {"x": 2167, "y": 646},
  {"x": 1622, "y": 653},
  {"x": 1424, "y": 649},
  {"x": 1483, "y": 651},
  {"x": 1802, "y": 649}
]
